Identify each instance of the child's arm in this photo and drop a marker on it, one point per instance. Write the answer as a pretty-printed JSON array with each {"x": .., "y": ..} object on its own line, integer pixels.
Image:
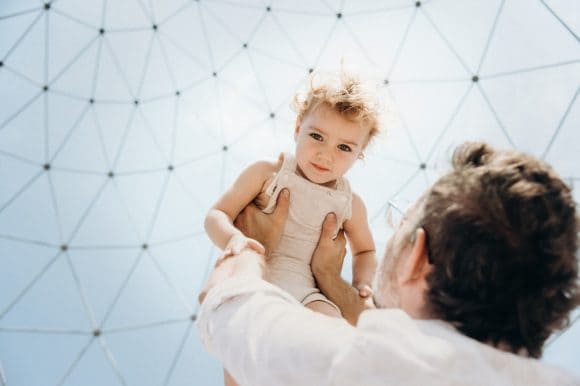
[
  {"x": 219, "y": 220},
  {"x": 362, "y": 247}
]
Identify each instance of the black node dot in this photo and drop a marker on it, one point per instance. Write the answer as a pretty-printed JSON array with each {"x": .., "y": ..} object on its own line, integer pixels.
[
  {"x": 97, "y": 333},
  {"x": 423, "y": 166},
  {"x": 136, "y": 102},
  {"x": 144, "y": 246},
  {"x": 170, "y": 168},
  {"x": 154, "y": 27},
  {"x": 272, "y": 115},
  {"x": 310, "y": 70},
  {"x": 91, "y": 101},
  {"x": 339, "y": 15},
  {"x": 102, "y": 31},
  {"x": 111, "y": 174},
  {"x": 46, "y": 166},
  {"x": 193, "y": 317},
  {"x": 418, "y": 4},
  {"x": 245, "y": 45},
  {"x": 268, "y": 9},
  {"x": 47, "y": 6},
  {"x": 45, "y": 88},
  {"x": 1, "y": 64},
  {"x": 475, "y": 78},
  {"x": 386, "y": 82},
  {"x": 64, "y": 247},
  {"x": 214, "y": 74},
  {"x": 225, "y": 148},
  {"x": 177, "y": 93}
]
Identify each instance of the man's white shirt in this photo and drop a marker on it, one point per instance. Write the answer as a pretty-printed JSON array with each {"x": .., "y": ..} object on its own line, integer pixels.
[{"x": 264, "y": 337}]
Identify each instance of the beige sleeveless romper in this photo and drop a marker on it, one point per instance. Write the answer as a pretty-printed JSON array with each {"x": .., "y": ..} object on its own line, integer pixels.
[{"x": 289, "y": 266}]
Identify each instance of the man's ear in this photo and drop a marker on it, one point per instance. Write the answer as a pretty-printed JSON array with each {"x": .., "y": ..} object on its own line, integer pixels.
[{"x": 416, "y": 266}]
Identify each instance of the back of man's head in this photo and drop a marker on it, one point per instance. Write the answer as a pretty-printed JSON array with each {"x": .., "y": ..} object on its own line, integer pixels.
[{"x": 503, "y": 237}]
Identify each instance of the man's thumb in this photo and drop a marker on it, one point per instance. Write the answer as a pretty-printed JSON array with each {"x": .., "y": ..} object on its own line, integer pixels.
[
  {"x": 329, "y": 225},
  {"x": 283, "y": 202}
]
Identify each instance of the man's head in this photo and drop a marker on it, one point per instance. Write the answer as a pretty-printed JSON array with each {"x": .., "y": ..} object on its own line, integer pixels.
[{"x": 501, "y": 234}]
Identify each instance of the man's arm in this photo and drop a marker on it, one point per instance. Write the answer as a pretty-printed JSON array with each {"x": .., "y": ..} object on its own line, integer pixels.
[
  {"x": 261, "y": 334},
  {"x": 326, "y": 266}
]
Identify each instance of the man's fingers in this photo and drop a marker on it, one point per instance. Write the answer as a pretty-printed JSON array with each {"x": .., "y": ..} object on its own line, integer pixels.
[
  {"x": 340, "y": 237},
  {"x": 328, "y": 226},
  {"x": 241, "y": 222},
  {"x": 282, "y": 204}
]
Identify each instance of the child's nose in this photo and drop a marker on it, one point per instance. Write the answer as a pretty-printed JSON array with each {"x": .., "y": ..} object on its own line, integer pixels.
[{"x": 325, "y": 153}]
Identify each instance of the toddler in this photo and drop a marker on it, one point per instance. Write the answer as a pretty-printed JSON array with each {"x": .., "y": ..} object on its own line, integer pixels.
[{"x": 335, "y": 121}]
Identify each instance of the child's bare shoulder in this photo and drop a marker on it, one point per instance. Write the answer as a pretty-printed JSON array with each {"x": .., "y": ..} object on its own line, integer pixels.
[{"x": 266, "y": 166}]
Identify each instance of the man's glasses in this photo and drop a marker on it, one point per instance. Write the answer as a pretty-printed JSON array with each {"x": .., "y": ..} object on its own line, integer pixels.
[{"x": 395, "y": 216}]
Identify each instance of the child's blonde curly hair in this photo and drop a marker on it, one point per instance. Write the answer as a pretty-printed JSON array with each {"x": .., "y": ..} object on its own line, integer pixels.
[{"x": 344, "y": 93}]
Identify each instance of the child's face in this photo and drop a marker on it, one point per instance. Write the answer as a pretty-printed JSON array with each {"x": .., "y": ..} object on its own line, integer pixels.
[{"x": 328, "y": 144}]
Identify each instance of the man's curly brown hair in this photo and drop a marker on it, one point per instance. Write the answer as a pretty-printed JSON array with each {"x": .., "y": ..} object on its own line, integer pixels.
[{"x": 502, "y": 234}]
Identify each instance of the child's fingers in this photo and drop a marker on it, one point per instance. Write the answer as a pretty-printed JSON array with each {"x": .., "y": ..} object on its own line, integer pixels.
[
  {"x": 236, "y": 249},
  {"x": 256, "y": 246},
  {"x": 365, "y": 291}
]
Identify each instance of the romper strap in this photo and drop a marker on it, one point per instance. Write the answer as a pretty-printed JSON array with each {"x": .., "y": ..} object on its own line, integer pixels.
[
  {"x": 344, "y": 186},
  {"x": 288, "y": 165}
]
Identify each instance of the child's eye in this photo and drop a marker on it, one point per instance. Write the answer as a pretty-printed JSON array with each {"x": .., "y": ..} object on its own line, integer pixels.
[
  {"x": 316, "y": 136},
  {"x": 344, "y": 147}
]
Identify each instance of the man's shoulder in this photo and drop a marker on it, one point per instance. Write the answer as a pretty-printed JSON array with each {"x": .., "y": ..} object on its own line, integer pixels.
[{"x": 408, "y": 351}]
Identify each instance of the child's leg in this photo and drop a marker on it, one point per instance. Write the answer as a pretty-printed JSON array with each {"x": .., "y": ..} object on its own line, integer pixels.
[
  {"x": 324, "y": 308},
  {"x": 228, "y": 380}
]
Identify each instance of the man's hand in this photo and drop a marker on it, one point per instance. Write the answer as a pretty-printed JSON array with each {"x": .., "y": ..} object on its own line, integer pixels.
[
  {"x": 248, "y": 263},
  {"x": 265, "y": 228},
  {"x": 238, "y": 242},
  {"x": 329, "y": 253},
  {"x": 326, "y": 266}
]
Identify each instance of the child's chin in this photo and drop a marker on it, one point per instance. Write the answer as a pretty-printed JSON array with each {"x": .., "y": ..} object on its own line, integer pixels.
[{"x": 320, "y": 181}]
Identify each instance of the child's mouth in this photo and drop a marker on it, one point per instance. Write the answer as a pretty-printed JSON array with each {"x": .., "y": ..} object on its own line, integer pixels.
[{"x": 320, "y": 168}]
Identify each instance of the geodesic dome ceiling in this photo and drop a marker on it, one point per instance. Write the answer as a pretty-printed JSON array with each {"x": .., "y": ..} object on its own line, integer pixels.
[{"x": 122, "y": 121}]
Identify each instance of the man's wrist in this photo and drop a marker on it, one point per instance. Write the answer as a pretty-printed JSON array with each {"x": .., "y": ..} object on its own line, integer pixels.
[
  {"x": 247, "y": 264},
  {"x": 325, "y": 275}
]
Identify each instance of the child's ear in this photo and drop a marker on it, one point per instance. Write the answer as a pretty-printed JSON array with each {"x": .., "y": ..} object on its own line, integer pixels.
[{"x": 297, "y": 129}]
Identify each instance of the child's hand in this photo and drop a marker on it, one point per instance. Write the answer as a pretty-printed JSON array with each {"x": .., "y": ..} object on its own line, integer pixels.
[
  {"x": 364, "y": 290},
  {"x": 239, "y": 242}
]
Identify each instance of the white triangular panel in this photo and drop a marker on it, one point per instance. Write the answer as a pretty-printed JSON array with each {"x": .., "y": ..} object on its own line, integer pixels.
[
  {"x": 534, "y": 94},
  {"x": 95, "y": 365},
  {"x": 517, "y": 45},
  {"x": 158, "y": 346},
  {"x": 49, "y": 354},
  {"x": 53, "y": 302}
]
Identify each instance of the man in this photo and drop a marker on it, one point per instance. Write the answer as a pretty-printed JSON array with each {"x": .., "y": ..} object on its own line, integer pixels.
[{"x": 482, "y": 269}]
